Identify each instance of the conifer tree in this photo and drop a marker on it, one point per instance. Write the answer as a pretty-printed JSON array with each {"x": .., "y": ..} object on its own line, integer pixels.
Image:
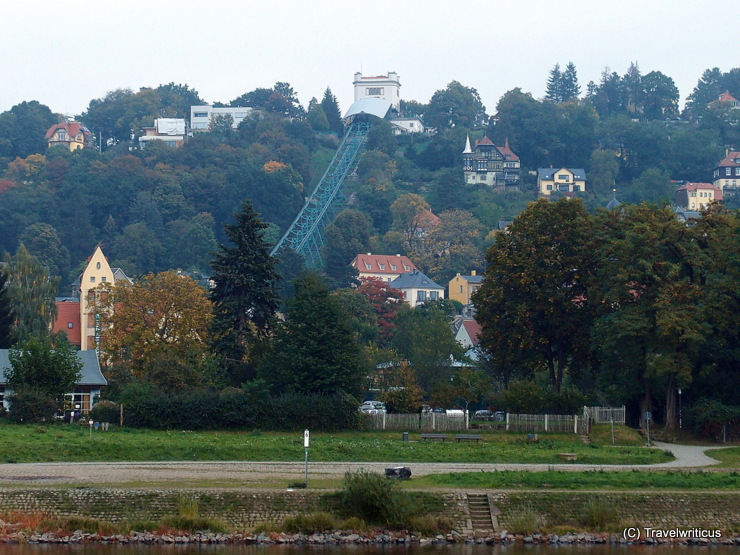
[
  {"x": 569, "y": 87},
  {"x": 554, "y": 85},
  {"x": 245, "y": 294},
  {"x": 331, "y": 108},
  {"x": 315, "y": 350}
]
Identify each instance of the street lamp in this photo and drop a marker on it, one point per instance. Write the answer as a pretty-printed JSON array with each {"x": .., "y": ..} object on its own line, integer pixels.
[{"x": 680, "y": 419}]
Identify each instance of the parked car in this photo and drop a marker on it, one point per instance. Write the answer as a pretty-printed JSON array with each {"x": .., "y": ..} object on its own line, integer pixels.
[
  {"x": 457, "y": 413},
  {"x": 373, "y": 407},
  {"x": 483, "y": 415},
  {"x": 499, "y": 416}
]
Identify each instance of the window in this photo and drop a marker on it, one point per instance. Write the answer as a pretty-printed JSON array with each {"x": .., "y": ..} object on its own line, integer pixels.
[
  {"x": 374, "y": 91},
  {"x": 407, "y": 268},
  {"x": 70, "y": 325},
  {"x": 62, "y": 136},
  {"x": 576, "y": 187},
  {"x": 728, "y": 172},
  {"x": 91, "y": 320},
  {"x": 97, "y": 266},
  {"x": 434, "y": 295},
  {"x": 200, "y": 114},
  {"x": 461, "y": 289},
  {"x": 103, "y": 279},
  {"x": 368, "y": 266},
  {"x": 90, "y": 340},
  {"x": 563, "y": 177},
  {"x": 549, "y": 187},
  {"x": 421, "y": 295},
  {"x": 92, "y": 279},
  {"x": 393, "y": 267},
  {"x": 692, "y": 194},
  {"x": 737, "y": 170},
  {"x": 382, "y": 266}
]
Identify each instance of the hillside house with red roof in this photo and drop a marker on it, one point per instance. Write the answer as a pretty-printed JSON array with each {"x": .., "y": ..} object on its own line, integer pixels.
[
  {"x": 70, "y": 134},
  {"x": 695, "y": 196},
  {"x": 489, "y": 164},
  {"x": 384, "y": 267}
]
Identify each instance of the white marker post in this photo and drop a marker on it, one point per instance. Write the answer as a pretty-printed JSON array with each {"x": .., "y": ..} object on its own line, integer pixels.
[{"x": 305, "y": 444}]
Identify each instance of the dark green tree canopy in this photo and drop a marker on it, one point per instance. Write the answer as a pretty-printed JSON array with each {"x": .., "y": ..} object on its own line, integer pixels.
[
  {"x": 455, "y": 106},
  {"x": 22, "y": 129}
]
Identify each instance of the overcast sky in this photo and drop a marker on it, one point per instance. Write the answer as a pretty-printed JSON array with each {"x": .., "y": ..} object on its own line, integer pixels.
[{"x": 64, "y": 54}]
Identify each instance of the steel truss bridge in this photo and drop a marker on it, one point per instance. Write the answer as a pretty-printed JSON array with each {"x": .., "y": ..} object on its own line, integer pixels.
[{"x": 305, "y": 234}]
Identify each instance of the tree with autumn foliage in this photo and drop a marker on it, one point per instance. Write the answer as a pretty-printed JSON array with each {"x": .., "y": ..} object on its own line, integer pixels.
[
  {"x": 161, "y": 316},
  {"x": 386, "y": 301}
]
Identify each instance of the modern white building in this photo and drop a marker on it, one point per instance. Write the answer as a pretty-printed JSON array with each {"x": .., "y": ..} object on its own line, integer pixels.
[
  {"x": 171, "y": 131},
  {"x": 387, "y": 87},
  {"x": 200, "y": 116}
]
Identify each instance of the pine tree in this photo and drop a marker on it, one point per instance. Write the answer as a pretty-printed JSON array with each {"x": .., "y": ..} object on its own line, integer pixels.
[
  {"x": 331, "y": 108},
  {"x": 245, "y": 294},
  {"x": 315, "y": 350},
  {"x": 569, "y": 88},
  {"x": 554, "y": 85},
  {"x": 6, "y": 314}
]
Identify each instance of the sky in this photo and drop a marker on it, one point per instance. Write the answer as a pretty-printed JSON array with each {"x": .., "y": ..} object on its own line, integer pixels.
[{"x": 64, "y": 54}]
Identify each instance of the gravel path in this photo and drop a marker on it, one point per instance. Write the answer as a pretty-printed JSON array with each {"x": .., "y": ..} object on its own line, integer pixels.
[{"x": 230, "y": 474}]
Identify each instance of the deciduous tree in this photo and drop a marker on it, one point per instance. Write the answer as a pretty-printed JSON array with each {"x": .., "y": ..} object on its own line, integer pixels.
[{"x": 7, "y": 319}]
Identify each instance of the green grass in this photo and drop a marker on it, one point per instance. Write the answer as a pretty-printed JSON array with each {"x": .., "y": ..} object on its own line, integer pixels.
[
  {"x": 71, "y": 443},
  {"x": 728, "y": 457},
  {"x": 603, "y": 480},
  {"x": 623, "y": 435}
]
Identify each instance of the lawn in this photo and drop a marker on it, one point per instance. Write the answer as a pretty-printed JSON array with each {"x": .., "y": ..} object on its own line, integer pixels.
[
  {"x": 72, "y": 443},
  {"x": 602, "y": 480},
  {"x": 729, "y": 457}
]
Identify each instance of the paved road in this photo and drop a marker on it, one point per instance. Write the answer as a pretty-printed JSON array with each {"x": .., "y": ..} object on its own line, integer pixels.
[{"x": 228, "y": 474}]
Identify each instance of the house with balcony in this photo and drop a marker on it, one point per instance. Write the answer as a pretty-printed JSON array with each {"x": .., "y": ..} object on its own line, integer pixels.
[
  {"x": 488, "y": 164},
  {"x": 726, "y": 174},
  {"x": 417, "y": 288},
  {"x": 563, "y": 180},
  {"x": 695, "y": 196},
  {"x": 70, "y": 134},
  {"x": 171, "y": 131}
]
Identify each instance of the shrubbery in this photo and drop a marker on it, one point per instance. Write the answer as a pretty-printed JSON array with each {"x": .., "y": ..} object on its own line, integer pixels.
[
  {"x": 708, "y": 417},
  {"x": 528, "y": 397},
  {"x": 27, "y": 404},
  {"x": 236, "y": 408}
]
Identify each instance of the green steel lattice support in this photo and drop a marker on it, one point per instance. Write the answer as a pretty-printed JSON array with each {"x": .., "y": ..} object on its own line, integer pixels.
[{"x": 305, "y": 234}]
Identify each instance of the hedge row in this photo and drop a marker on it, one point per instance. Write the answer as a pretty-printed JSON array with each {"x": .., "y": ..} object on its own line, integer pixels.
[{"x": 233, "y": 409}]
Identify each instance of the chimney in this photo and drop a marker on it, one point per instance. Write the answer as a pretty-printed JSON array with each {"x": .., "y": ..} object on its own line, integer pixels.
[{"x": 472, "y": 273}]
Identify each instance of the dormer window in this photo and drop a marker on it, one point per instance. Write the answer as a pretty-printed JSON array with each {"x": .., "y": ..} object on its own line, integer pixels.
[
  {"x": 62, "y": 136},
  {"x": 382, "y": 266},
  {"x": 393, "y": 267},
  {"x": 407, "y": 268},
  {"x": 368, "y": 266}
]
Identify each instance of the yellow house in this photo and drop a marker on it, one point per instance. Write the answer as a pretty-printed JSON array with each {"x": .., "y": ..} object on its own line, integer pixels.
[
  {"x": 461, "y": 288},
  {"x": 564, "y": 180},
  {"x": 96, "y": 272},
  {"x": 695, "y": 196},
  {"x": 71, "y": 134}
]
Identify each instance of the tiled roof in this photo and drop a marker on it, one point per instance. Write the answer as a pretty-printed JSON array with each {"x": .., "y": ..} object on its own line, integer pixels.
[
  {"x": 371, "y": 263},
  {"x": 414, "y": 280},
  {"x": 473, "y": 279},
  {"x": 507, "y": 152},
  {"x": 427, "y": 219},
  {"x": 547, "y": 173},
  {"x": 732, "y": 159},
  {"x": 702, "y": 187},
  {"x": 485, "y": 141},
  {"x": 72, "y": 128},
  {"x": 473, "y": 329}
]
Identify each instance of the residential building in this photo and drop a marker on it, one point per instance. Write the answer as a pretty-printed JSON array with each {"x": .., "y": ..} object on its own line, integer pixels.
[
  {"x": 695, "y": 196},
  {"x": 83, "y": 329},
  {"x": 563, "y": 180},
  {"x": 417, "y": 288},
  {"x": 467, "y": 334},
  {"x": 424, "y": 223},
  {"x": 490, "y": 165},
  {"x": 726, "y": 173},
  {"x": 171, "y": 131},
  {"x": 387, "y": 87},
  {"x": 384, "y": 267},
  {"x": 403, "y": 126},
  {"x": 86, "y": 391},
  {"x": 461, "y": 288},
  {"x": 201, "y": 116},
  {"x": 70, "y": 134},
  {"x": 726, "y": 99}
]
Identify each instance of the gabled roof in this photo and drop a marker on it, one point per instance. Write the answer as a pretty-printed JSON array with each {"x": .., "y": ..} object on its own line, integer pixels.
[
  {"x": 91, "y": 374},
  {"x": 731, "y": 159},
  {"x": 72, "y": 128},
  {"x": 427, "y": 219},
  {"x": 473, "y": 329},
  {"x": 414, "y": 280},
  {"x": 472, "y": 279},
  {"x": 548, "y": 173},
  {"x": 507, "y": 152},
  {"x": 485, "y": 141}
]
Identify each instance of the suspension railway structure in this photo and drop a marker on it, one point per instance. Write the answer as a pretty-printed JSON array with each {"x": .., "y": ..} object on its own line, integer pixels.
[{"x": 305, "y": 235}]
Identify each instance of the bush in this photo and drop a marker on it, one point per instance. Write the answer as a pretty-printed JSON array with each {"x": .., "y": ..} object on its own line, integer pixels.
[
  {"x": 597, "y": 514},
  {"x": 525, "y": 521},
  {"x": 105, "y": 411},
  {"x": 29, "y": 405},
  {"x": 708, "y": 417},
  {"x": 310, "y": 523},
  {"x": 375, "y": 499}
]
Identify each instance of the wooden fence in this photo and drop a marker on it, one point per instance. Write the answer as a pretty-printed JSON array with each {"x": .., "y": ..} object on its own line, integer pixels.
[
  {"x": 431, "y": 422},
  {"x": 569, "y": 423},
  {"x": 605, "y": 415}
]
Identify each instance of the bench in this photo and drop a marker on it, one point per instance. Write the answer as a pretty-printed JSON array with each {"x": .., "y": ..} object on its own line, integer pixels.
[
  {"x": 568, "y": 456},
  {"x": 467, "y": 437},
  {"x": 441, "y": 437}
]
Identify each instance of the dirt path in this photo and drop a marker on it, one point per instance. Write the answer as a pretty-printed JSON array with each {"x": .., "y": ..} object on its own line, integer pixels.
[{"x": 190, "y": 474}]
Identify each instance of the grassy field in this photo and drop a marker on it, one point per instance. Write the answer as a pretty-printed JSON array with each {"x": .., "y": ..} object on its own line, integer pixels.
[
  {"x": 602, "y": 480},
  {"x": 71, "y": 443},
  {"x": 729, "y": 457}
]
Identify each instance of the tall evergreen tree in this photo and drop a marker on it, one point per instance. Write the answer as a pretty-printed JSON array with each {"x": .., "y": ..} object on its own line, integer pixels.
[
  {"x": 244, "y": 294},
  {"x": 315, "y": 350},
  {"x": 569, "y": 87},
  {"x": 331, "y": 108},
  {"x": 7, "y": 331},
  {"x": 554, "y": 85}
]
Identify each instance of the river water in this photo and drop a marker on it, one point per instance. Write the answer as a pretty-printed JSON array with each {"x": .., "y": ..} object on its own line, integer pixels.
[{"x": 450, "y": 549}]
